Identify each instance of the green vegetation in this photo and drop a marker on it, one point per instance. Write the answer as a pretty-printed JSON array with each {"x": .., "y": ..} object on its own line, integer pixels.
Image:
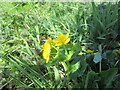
[{"x": 91, "y": 59}]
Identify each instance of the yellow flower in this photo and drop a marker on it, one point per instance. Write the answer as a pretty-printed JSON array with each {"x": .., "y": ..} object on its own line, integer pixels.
[
  {"x": 62, "y": 39},
  {"x": 89, "y": 51},
  {"x": 47, "y": 50}
]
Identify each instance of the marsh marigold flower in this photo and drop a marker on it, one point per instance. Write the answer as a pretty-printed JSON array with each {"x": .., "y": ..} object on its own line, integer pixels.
[
  {"x": 47, "y": 50},
  {"x": 62, "y": 39}
]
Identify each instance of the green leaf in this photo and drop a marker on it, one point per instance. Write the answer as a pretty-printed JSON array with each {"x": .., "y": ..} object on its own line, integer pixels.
[
  {"x": 60, "y": 57},
  {"x": 6, "y": 66},
  {"x": 27, "y": 47},
  {"x": 80, "y": 67},
  {"x": 97, "y": 57},
  {"x": 74, "y": 67},
  {"x": 116, "y": 81},
  {"x": 57, "y": 76},
  {"x": 107, "y": 77},
  {"x": 90, "y": 81},
  {"x": 28, "y": 72},
  {"x": 73, "y": 50}
]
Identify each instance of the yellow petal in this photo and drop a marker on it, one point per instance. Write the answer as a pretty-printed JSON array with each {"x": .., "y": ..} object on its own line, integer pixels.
[
  {"x": 47, "y": 49},
  {"x": 46, "y": 45},
  {"x": 67, "y": 41},
  {"x": 46, "y": 54},
  {"x": 49, "y": 40},
  {"x": 56, "y": 40},
  {"x": 60, "y": 35},
  {"x": 89, "y": 51},
  {"x": 62, "y": 39},
  {"x": 47, "y": 60},
  {"x": 58, "y": 44},
  {"x": 66, "y": 36},
  {"x": 41, "y": 46}
]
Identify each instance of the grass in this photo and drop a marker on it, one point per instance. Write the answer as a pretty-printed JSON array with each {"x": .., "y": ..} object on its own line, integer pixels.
[{"x": 91, "y": 26}]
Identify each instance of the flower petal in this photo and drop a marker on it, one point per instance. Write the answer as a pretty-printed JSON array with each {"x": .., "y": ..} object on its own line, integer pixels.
[
  {"x": 66, "y": 36},
  {"x": 58, "y": 44},
  {"x": 46, "y": 52},
  {"x": 47, "y": 60},
  {"x": 89, "y": 51},
  {"x": 67, "y": 41},
  {"x": 60, "y": 35},
  {"x": 62, "y": 39},
  {"x": 56, "y": 40},
  {"x": 47, "y": 49},
  {"x": 49, "y": 40}
]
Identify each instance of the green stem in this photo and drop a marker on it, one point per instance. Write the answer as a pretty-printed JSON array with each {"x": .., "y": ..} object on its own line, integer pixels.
[
  {"x": 100, "y": 66},
  {"x": 65, "y": 50},
  {"x": 65, "y": 66}
]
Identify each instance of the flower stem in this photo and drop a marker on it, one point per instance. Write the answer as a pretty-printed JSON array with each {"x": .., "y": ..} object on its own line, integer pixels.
[
  {"x": 65, "y": 50},
  {"x": 100, "y": 66}
]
